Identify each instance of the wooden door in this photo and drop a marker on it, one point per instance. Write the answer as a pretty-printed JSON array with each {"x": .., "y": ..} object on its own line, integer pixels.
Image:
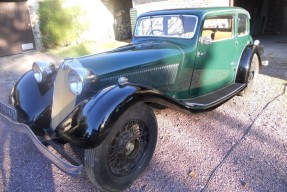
[{"x": 16, "y": 33}]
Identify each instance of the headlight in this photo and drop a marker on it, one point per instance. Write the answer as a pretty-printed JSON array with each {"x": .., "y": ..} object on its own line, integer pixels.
[
  {"x": 42, "y": 70},
  {"x": 76, "y": 80}
]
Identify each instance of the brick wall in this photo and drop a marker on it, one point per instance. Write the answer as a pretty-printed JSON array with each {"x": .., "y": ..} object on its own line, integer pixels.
[{"x": 152, "y": 5}]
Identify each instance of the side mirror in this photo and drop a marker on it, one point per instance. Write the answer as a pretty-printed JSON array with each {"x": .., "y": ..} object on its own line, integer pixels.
[{"x": 206, "y": 40}]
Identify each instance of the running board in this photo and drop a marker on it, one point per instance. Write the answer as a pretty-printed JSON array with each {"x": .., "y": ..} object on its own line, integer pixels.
[{"x": 214, "y": 98}]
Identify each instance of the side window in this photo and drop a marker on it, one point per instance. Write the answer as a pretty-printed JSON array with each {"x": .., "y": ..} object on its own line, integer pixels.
[
  {"x": 218, "y": 28},
  {"x": 189, "y": 24},
  {"x": 242, "y": 24}
]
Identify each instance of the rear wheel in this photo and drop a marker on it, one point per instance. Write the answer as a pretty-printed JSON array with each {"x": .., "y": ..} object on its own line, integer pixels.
[
  {"x": 252, "y": 76},
  {"x": 126, "y": 151}
]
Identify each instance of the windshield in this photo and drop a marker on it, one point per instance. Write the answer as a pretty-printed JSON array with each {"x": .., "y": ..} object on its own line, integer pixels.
[{"x": 182, "y": 26}]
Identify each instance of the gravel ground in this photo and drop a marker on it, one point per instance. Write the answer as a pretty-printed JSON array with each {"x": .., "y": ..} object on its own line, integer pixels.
[{"x": 239, "y": 146}]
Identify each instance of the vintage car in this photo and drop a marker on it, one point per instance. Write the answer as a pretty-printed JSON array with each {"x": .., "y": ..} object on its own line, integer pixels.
[{"x": 186, "y": 59}]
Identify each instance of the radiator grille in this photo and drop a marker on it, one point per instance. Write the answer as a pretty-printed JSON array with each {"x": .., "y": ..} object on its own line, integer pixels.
[{"x": 63, "y": 100}]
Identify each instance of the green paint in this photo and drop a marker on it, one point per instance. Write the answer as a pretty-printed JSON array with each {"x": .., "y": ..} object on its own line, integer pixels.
[{"x": 202, "y": 68}]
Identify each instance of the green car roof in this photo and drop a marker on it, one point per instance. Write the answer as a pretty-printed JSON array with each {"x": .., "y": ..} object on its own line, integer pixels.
[{"x": 200, "y": 11}]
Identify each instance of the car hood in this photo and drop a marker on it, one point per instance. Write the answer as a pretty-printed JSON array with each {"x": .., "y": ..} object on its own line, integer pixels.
[{"x": 133, "y": 57}]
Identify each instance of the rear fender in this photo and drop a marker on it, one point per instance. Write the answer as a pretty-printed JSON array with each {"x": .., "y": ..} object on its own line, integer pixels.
[{"x": 245, "y": 60}]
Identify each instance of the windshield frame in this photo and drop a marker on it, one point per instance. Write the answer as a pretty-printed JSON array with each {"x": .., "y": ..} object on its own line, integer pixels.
[{"x": 167, "y": 36}]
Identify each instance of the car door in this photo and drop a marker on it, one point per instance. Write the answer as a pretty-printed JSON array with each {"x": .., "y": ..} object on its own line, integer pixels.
[{"x": 214, "y": 63}]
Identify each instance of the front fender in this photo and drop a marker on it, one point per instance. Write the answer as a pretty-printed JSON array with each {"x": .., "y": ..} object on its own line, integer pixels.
[
  {"x": 91, "y": 121},
  {"x": 32, "y": 100},
  {"x": 88, "y": 125}
]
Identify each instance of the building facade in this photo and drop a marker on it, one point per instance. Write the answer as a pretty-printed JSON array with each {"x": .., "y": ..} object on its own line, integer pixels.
[{"x": 113, "y": 19}]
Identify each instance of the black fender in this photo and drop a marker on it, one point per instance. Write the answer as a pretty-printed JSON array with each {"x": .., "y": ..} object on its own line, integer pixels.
[
  {"x": 32, "y": 100},
  {"x": 88, "y": 125},
  {"x": 245, "y": 60}
]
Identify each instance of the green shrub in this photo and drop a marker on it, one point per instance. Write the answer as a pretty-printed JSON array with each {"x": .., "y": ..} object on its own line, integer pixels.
[{"x": 60, "y": 26}]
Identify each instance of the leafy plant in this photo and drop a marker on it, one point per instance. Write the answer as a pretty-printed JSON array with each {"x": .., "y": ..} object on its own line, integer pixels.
[{"x": 60, "y": 26}]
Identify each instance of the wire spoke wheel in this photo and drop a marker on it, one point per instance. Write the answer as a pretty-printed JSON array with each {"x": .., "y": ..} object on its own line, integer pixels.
[
  {"x": 128, "y": 148},
  {"x": 125, "y": 152}
]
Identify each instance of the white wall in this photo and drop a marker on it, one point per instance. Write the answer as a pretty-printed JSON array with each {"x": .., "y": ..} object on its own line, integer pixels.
[
  {"x": 99, "y": 19},
  {"x": 145, "y": 5}
]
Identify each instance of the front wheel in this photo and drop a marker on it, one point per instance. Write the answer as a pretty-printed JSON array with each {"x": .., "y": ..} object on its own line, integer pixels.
[
  {"x": 126, "y": 151},
  {"x": 252, "y": 77}
]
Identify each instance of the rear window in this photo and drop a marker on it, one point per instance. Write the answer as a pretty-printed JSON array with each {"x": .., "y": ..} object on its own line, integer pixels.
[
  {"x": 242, "y": 24},
  {"x": 167, "y": 26}
]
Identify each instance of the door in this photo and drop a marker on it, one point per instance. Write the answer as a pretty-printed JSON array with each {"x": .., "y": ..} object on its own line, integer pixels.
[
  {"x": 214, "y": 64},
  {"x": 15, "y": 29}
]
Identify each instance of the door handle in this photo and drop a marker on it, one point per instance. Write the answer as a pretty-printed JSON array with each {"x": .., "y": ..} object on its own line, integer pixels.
[{"x": 199, "y": 54}]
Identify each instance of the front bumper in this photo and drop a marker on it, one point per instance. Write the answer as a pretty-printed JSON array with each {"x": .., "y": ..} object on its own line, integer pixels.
[{"x": 69, "y": 165}]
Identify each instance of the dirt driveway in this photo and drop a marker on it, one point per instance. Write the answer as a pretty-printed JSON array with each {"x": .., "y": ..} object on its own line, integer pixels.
[{"x": 240, "y": 146}]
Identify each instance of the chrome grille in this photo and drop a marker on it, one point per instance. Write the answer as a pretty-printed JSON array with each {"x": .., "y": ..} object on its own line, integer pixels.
[{"x": 63, "y": 100}]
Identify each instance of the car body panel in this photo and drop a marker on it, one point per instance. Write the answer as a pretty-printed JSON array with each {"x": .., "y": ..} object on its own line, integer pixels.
[
  {"x": 157, "y": 67},
  {"x": 213, "y": 68}
]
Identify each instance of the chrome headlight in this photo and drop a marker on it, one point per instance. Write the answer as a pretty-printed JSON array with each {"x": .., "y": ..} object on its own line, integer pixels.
[
  {"x": 76, "y": 80},
  {"x": 42, "y": 70}
]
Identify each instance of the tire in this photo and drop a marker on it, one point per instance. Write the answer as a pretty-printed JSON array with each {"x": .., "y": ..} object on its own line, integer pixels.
[
  {"x": 252, "y": 77},
  {"x": 126, "y": 151}
]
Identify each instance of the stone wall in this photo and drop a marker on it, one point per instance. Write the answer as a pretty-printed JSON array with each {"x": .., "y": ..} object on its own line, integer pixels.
[
  {"x": 122, "y": 19},
  {"x": 152, "y": 5},
  {"x": 33, "y": 6}
]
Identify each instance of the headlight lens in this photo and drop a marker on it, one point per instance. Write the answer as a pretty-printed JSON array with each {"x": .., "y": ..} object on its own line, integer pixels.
[
  {"x": 37, "y": 73},
  {"x": 76, "y": 80},
  {"x": 42, "y": 70}
]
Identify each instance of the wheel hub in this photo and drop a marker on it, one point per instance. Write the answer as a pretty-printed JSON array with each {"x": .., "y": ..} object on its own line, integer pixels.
[{"x": 132, "y": 147}]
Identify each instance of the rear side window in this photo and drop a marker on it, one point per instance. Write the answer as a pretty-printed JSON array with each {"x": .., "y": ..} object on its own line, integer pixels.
[
  {"x": 218, "y": 28},
  {"x": 242, "y": 24}
]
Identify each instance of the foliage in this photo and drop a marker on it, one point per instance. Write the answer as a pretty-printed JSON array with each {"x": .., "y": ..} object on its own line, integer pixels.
[{"x": 60, "y": 26}]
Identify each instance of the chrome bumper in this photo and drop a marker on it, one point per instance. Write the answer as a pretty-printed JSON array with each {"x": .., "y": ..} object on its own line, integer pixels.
[{"x": 63, "y": 161}]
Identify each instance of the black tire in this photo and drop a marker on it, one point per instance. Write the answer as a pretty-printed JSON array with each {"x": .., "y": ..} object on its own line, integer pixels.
[
  {"x": 126, "y": 151},
  {"x": 252, "y": 77}
]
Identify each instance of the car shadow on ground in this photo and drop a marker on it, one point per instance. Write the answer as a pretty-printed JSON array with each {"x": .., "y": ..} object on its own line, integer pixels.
[
  {"x": 21, "y": 163},
  {"x": 257, "y": 161}
]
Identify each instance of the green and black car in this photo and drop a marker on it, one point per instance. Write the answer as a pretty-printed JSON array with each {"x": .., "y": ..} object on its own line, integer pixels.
[{"x": 185, "y": 59}]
